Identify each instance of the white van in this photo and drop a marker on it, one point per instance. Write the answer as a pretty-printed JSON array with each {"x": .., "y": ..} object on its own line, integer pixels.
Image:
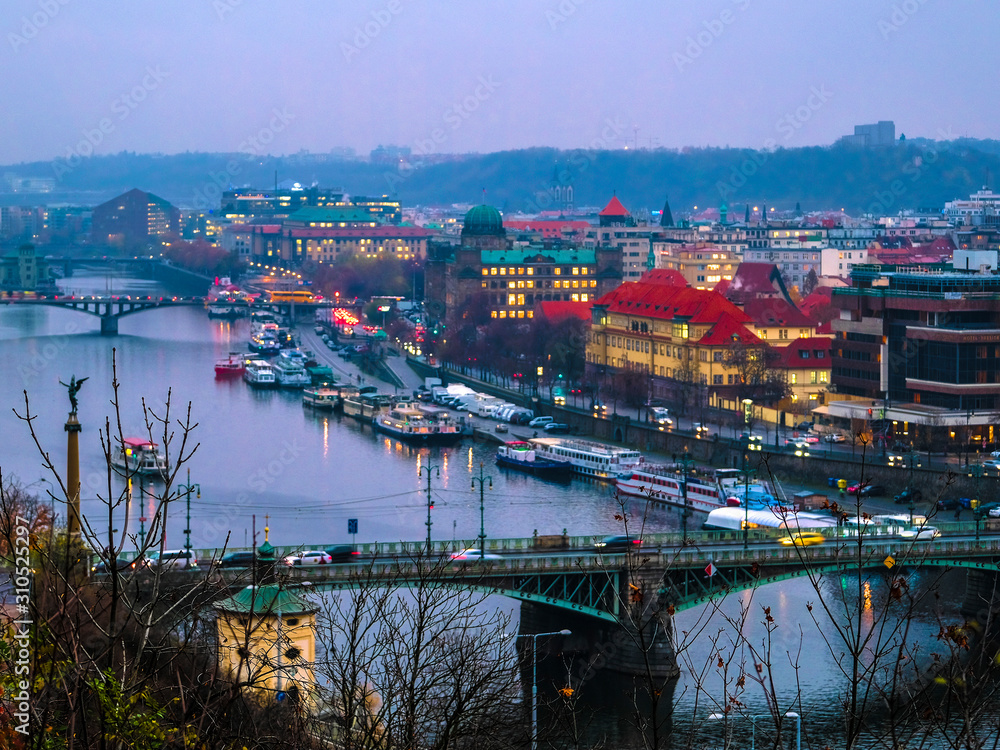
[
  {"x": 172, "y": 559},
  {"x": 660, "y": 415}
]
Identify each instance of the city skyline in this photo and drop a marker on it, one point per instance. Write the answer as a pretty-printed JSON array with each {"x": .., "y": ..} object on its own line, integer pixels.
[{"x": 234, "y": 75}]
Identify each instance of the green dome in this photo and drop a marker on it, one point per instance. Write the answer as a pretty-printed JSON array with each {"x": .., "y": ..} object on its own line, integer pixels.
[{"x": 483, "y": 221}]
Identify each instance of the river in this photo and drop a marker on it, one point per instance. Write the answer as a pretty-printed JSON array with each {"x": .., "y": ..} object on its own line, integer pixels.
[{"x": 260, "y": 454}]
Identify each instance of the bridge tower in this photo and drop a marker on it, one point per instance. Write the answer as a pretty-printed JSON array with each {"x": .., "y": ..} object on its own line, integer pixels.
[{"x": 267, "y": 640}]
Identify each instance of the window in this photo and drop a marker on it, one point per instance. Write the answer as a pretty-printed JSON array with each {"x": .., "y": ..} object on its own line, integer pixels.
[
  {"x": 511, "y": 299},
  {"x": 783, "y": 333},
  {"x": 804, "y": 355},
  {"x": 557, "y": 271},
  {"x": 793, "y": 378},
  {"x": 680, "y": 330},
  {"x": 819, "y": 354},
  {"x": 716, "y": 380},
  {"x": 486, "y": 272},
  {"x": 824, "y": 376},
  {"x": 813, "y": 379},
  {"x": 762, "y": 333},
  {"x": 716, "y": 356},
  {"x": 503, "y": 271}
]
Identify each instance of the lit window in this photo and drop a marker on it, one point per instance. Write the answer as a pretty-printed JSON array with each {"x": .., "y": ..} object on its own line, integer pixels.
[
  {"x": 557, "y": 271},
  {"x": 531, "y": 272},
  {"x": 793, "y": 378},
  {"x": 520, "y": 313},
  {"x": 531, "y": 313},
  {"x": 512, "y": 271},
  {"x": 576, "y": 284},
  {"x": 584, "y": 271},
  {"x": 486, "y": 272},
  {"x": 511, "y": 299},
  {"x": 493, "y": 313},
  {"x": 531, "y": 284},
  {"x": 493, "y": 271},
  {"x": 520, "y": 299},
  {"x": 503, "y": 271},
  {"x": 520, "y": 271},
  {"x": 485, "y": 285},
  {"x": 583, "y": 298},
  {"x": 520, "y": 284},
  {"x": 576, "y": 270},
  {"x": 503, "y": 313}
]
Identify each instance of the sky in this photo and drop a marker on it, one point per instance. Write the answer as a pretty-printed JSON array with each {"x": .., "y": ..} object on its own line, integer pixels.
[{"x": 442, "y": 76}]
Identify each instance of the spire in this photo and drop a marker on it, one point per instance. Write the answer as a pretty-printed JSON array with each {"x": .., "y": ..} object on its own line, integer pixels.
[
  {"x": 651, "y": 256},
  {"x": 746, "y": 215},
  {"x": 763, "y": 213},
  {"x": 666, "y": 218},
  {"x": 798, "y": 208},
  {"x": 723, "y": 213}
]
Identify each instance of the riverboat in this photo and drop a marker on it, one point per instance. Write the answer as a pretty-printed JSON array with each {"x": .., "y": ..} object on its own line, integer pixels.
[
  {"x": 140, "y": 456},
  {"x": 232, "y": 366},
  {"x": 328, "y": 397},
  {"x": 264, "y": 344},
  {"x": 522, "y": 456},
  {"x": 222, "y": 310},
  {"x": 289, "y": 372},
  {"x": 665, "y": 484},
  {"x": 259, "y": 374},
  {"x": 410, "y": 423},
  {"x": 367, "y": 406},
  {"x": 739, "y": 518},
  {"x": 587, "y": 458}
]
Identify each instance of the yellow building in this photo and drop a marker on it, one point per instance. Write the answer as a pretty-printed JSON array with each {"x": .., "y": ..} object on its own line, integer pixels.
[
  {"x": 703, "y": 265},
  {"x": 267, "y": 642}
]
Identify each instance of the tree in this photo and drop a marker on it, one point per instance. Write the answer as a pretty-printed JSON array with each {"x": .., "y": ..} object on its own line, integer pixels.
[
  {"x": 757, "y": 376},
  {"x": 811, "y": 282}
]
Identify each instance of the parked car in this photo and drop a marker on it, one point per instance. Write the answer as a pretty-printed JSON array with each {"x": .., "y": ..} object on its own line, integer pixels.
[
  {"x": 992, "y": 466},
  {"x": 920, "y": 533},
  {"x": 994, "y": 512},
  {"x": 911, "y": 494},
  {"x": 121, "y": 565},
  {"x": 834, "y": 437},
  {"x": 341, "y": 553},
  {"x": 557, "y": 428},
  {"x": 310, "y": 557},
  {"x": 803, "y": 539},
  {"x": 804, "y": 425},
  {"x": 949, "y": 503},
  {"x": 500, "y": 428},
  {"x": 618, "y": 543},
  {"x": 237, "y": 560},
  {"x": 872, "y": 490},
  {"x": 541, "y": 421}
]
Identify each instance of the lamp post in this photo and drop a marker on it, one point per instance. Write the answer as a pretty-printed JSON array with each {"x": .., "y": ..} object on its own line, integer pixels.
[
  {"x": 686, "y": 460},
  {"x": 976, "y": 472},
  {"x": 187, "y": 489},
  {"x": 911, "y": 456},
  {"x": 746, "y": 493},
  {"x": 430, "y": 501},
  {"x": 482, "y": 525},
  {"x": 534, "y": 679}
]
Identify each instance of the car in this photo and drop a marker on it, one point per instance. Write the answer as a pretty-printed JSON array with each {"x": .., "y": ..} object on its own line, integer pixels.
[
  {"x": 812, "y": 439},
  {"x": 500, "y": 428},
  {"x": 118, "y": 565},
  {"x": 600, "y": 408},
  {"x": 872, "y": 490},
  {"x": 804, "y": 425},
  {"x": 834, "y": 437},
  {"x": 920, "y": 533},
  {"x": 341, "y": 553},
  {"x": 661, "y": 416},
  {"x": 237, "y": 560},
  {"x": 171, "y": 559},
  {"x": 994, "y": 512},
  {"x": 995, "y": 454},
  {"x": 557, "y": 428},
  {"x": 309, "y": 557},
  {"x": 949, "y": 503},
  {"x": 541, "y": 421},
  {"x": 911, "y": 495},
  {"x": 803, "y": 539},
  {"x": 853, "y": 489},
  {"x": 618, "y": 543},
  {"x": 471, "y": 555},
  {"x": 992, "y": 465},
  {"x": 699, "y": 428}
]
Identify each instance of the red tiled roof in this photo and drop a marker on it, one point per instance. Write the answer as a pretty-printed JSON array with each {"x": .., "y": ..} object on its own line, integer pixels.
[
  {"x": 667, "y": 302},
  {"x": 791, "y": 355},
  {"x": 775, "y": 311},
  {"x": 560, "y": 310},
  {"x": 668, "y": 276},
  {"x": 756, "y": 280},
  {"x": 553, "y": 229},
  {"x": 722, "y": 287},
  {"x": 727, "y": 330},
  {"x": 614, "y": 208}
]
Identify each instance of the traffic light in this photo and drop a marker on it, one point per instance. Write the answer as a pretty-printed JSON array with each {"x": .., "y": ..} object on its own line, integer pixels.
[{"x": 869, "y": 412}]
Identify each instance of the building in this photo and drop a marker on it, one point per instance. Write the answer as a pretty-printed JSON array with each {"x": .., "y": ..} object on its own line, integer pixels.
[
  {"x": 249, "y": 203},
  {"x": 702, "y": 265},
  {"x": 776, "y": 320},
  {"x": 618, "y": 230},
  {"x": 134, "y": 218},
  {"x": 982, "y": 209},
  {"x": 676, "y": 335},
  {"x": 510, "y": 281},
  {"x": 881, "y": 133},
  {"x": 727, "y": 238},
  {"x": 806, "y": 364},
  {"x": 838, "y": 261},
  {"x": 24, "y": 271},
  {"x": 919, "y": 347},
  {"x": 794, "y": 264}
]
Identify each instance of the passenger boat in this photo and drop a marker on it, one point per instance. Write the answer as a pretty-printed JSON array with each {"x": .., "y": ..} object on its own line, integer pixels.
[
  {"x": 328, "y": 397},
  {"x": 409, "y": 422},
  {"x": 589, "y": 459},
  {"x": 231, "y": 366},
  {"x": 140, "y": 456},
  {"x": 259, "y": 374},
  {"x": 739, "y": 518},
  {"x": 664, "y": 484},
  {"x": 522, "y": 456},
  {"x": 222, "y": 310},
  {"x": 261, "y": 343},
  {"x": 289, "y": 372},
  {"x": 321, "y": 374},
  {"x": 367, "y": 406}
]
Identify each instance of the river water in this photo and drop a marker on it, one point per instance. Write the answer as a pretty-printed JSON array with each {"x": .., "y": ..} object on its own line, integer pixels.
[{"x": 261, "y": 454}]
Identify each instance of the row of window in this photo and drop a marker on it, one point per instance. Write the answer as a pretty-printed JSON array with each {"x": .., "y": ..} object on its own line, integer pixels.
[
  {"x": 502, "y": 314},
  {"x": 530, "y": 271},
  {"x": 821, "y": 376}
]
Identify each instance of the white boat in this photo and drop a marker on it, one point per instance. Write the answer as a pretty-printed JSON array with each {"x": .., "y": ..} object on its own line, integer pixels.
[
  {"x": 367, "y": 406},
  {"x": 589, "y": 459},
  {"x": 665, "y": 484},
  {"x": 409, "y": 422},
  {"x": 737, "y": 518},
  {"x": 259, "y": 374},
  {"x": 140, "y": 456},
  {"x": 290, "y": 372}
]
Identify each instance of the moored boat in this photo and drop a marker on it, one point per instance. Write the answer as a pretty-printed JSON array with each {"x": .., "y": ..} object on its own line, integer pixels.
[
  {"x": 367, "y": 406},
  {"x": 233, "y": 365},
  {"x": 264, "y": 344},
  {"x": 140, "y": 456},
  {"x": 587, "y": 458},
  {"x": 259, "y": 374},
  {"x": 327, "y": 397},
  {"x": 522, "y": 456},
  {"x": 410, "y": 423},
  {"x": 665, "y": 484},
  {"x": 289, "y": 372}
]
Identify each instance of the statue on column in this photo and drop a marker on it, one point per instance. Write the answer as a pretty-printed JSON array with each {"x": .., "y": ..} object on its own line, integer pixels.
[{"x": 73, "y": 386}]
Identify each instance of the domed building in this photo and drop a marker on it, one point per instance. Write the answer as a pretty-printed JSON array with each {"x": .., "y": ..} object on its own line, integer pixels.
[{"x": 511, "y": 278}]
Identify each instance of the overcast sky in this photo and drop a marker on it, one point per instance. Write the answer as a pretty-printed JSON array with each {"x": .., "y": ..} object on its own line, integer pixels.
[{"x": 226, "y": 75}]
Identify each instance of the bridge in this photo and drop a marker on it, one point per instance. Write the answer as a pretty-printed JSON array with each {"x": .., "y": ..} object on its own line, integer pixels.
[{"x": 111, "y": 308}]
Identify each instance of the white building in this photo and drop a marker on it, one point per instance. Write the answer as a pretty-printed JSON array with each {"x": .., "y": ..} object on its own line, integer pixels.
[{"x": 835, "y": 261}]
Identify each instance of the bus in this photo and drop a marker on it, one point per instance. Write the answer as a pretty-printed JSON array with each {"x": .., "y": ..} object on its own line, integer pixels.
[{"x": 299, "y": 295}]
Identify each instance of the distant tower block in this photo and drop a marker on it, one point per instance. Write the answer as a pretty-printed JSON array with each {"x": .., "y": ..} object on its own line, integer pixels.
[{"x": 267, "y": 642}]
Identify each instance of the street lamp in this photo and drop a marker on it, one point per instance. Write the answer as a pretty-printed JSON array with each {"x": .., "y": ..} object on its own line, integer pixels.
[
  {"x": 686, "y": 460},
  {"x": 186, "y": 489},
  {"x": 482, "y": 526},
  {"x": 430, "y": 501},
  {"x": 753, "y": 726},
  {"x": 534, "y": 679},
  {"x": 746, "y": 493},
  {"x": 976, "y": 471}
]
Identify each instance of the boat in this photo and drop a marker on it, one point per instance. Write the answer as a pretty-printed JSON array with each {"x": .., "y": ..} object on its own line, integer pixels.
[
  {"x": 738, "y": 518},
  {"x": 322, "y": 374},
  {"x": 411, "y": 423},
  {"x": 522, "y": 456},
  {"x": 289, "y": 372},
  {"x": 264, "y": 344},
  {"x": 665, "y": 484},
  {"x": 259, "y": 374},
  {"x": 140, "y": 456},
  {"x": 367, "y": 406},
  {"x": 589, "y": 459},
  {"x": 328, "y": 397},
  {"x": 233, "y": 365},
  {"x": 222, "y": 310}
]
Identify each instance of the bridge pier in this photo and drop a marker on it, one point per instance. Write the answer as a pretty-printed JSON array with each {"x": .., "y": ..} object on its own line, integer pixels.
[
  {"x": 109, "y": 325},
  {"x": 600, "y": 645},
  {"x": 981, "y": 603}
]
